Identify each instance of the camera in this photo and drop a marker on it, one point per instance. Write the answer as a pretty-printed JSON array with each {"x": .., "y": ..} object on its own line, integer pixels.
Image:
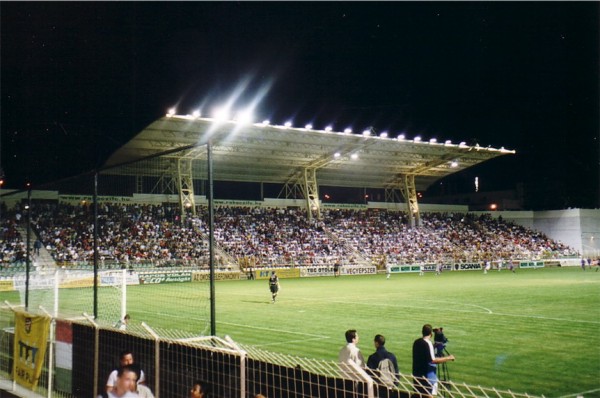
[
  {"x": 439, "y": 346},
  {"x": 439, "y": 341}
]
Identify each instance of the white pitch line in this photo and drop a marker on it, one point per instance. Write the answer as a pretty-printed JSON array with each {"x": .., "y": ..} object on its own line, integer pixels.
[
  {"x": 288, "y": 342},
  {"x": 548, "y": 318},
  {"x": 315, "y": 336}
]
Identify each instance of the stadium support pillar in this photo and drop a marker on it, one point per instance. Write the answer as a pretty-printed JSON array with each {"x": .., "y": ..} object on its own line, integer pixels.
[
  {"x": 409, "y": 192},
  {"x": 311, "y": 193},
  {"x": 186, "y": 186}
]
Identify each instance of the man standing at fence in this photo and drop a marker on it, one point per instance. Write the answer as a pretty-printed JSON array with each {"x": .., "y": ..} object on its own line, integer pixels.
[
  {"x": 274, "y": 286},
  {"x": 380, "y": 354},
  {"x": 125, "y": 359},
  {"x": 124, "y": 383},
  {"x": 350, "y": 352},
  {"x": 424, "y": 365}
]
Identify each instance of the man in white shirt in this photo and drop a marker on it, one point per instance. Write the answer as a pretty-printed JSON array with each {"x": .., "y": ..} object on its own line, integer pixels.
[
  {"x": 125, "y": 358},
  {"x": 350, "y": 352},
  {"x": 124, "y": 384}
]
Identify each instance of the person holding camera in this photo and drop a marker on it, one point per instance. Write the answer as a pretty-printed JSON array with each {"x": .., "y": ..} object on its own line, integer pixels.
[{"x": 424, "y": 365}]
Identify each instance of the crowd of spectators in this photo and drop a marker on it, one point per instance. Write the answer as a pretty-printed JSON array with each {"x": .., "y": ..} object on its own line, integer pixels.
[
  {"x": 130, "y": 234},
  {"x": 12, "y": 244}
]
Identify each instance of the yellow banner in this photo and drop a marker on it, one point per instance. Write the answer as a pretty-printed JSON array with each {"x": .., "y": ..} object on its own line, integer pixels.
[
  {"x": 281, "y": 272},
  {"x": 6, "y": 286},
  {"x": 31, "y": 337}
]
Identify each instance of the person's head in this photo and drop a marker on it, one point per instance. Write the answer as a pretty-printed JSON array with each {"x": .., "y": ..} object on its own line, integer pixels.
[
  {"x": 272, "y": 272},
  {"x": 352, "y": 336},
  {"x": 379, "y": 340},
  {"x": 197, "y": 390},
  {"x": 126, "y": 378},
  {"x": 126, "y": 358},
  {"x": 427, "y": 330},
  {"x": 259, "y": 396},
  {"x": 135, "y": 368}
]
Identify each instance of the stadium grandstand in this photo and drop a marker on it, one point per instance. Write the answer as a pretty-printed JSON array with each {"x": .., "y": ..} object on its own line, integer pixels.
[{"x": 148, "y": 215}]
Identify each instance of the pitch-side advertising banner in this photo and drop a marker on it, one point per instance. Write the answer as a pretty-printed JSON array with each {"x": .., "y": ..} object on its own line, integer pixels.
[
  {"x": 31, "y": 337},
  {"x": 281, "y": 272},
  {"x": 327, "y": 270}
]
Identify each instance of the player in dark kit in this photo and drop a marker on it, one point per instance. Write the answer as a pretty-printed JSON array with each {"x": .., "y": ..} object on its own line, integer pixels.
[{"x": 273, "y": 285}]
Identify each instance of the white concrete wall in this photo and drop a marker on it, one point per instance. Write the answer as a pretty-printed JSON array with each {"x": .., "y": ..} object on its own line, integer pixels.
[{"x": 578, "y": 228}]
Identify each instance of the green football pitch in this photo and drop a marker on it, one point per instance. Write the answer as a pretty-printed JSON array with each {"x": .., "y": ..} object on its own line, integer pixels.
[{"x": 535, "y": 331}]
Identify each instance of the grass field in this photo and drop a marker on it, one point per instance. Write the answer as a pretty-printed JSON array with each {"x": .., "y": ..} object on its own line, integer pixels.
[{"x": 536, "y": 331}]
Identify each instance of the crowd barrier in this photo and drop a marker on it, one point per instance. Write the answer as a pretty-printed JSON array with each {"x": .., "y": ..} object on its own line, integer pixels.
[{"x": 81, "y": 354}]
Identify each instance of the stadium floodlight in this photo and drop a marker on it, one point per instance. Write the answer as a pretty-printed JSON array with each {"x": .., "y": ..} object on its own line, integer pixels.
[
  {"x": 400, "y": 137},
  {"x": 337, "y": 155},
  {"x": 417, "y": 139},
  {"x": 462, "y": 144},
  {"x": 308, "y": 126},
  {"x": 245, "y": 117},
  {"x": 383, "y": 135},
  {"x": 221, "y": 114},
  {"x": 196, "y": 114},
  {"x": 288, "y": 124},
  {"x": 328, "y": 128},
  {"x": 366, "y": 133},
  {"x": 354, "y": 156},
  {"x": 265, "y": 122},
  {"x": 348, "y": 130},
  {"x": 171, "y": 112},
  {"x": 433, "y": 140},
  {"x": 448, "y": 142}
]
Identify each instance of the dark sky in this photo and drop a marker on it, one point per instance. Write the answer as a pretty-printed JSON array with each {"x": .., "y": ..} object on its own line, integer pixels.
[{"x": 80, "y": 79}]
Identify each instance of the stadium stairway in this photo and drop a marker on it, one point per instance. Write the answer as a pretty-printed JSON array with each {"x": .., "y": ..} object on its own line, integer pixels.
[
  {"x": 44, "y": 260},
  {"x": 358, "y": 257}
]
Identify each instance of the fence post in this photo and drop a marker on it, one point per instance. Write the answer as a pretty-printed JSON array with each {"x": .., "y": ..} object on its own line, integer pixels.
[
  {"x": 243, "y": 356},
  {"x": 96, "y": 351},
  {"x": 156, "y": 359}
]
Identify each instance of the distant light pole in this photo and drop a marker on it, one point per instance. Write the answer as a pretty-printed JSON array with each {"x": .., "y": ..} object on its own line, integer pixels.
[
  {"x": 211, "y": 238},
  {"x": 28, "y": 247}
]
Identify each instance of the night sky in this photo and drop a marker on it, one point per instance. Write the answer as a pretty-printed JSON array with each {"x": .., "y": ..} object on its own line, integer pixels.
[{"x": 78, "y": 80}]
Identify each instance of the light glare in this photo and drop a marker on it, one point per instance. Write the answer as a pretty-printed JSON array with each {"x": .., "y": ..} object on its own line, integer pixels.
[
  {"x": 245, "y": 116},
  {"x": 221, "y": 114}
]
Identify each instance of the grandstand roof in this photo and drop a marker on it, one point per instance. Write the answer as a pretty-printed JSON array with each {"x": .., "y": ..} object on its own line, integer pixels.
[{"x": 279, "y": 154}]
